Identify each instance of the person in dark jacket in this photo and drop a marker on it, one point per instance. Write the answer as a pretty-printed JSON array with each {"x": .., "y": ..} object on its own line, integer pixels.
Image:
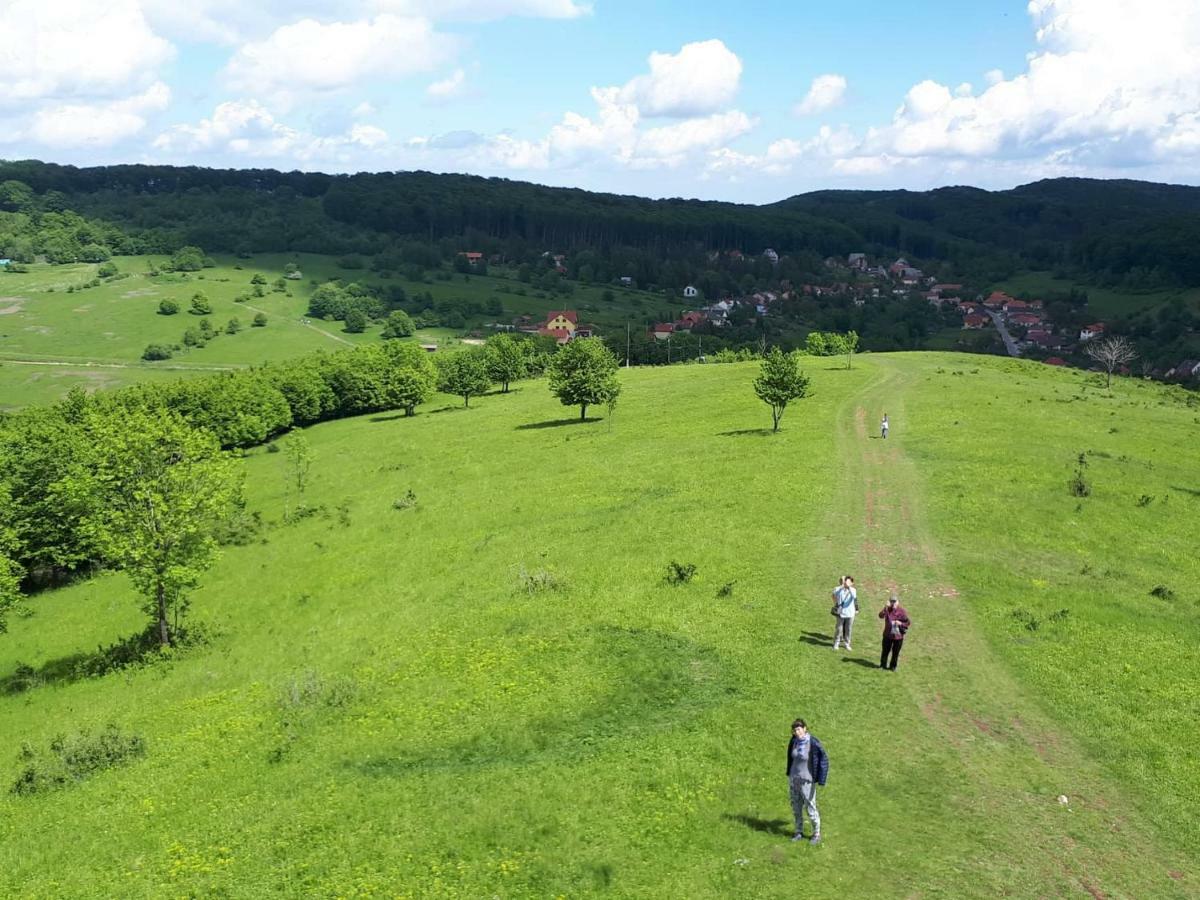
[
  {"x": 895, "y": 625},
  {"x": 807, "y": 766}
]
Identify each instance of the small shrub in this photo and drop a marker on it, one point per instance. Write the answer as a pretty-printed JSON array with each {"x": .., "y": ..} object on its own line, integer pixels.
[
  {"x": 167, "y": 307},
  {"x": 408, "y": 501},
  {"x": 1162, "y": 592},
  {"x": 1060, "y": 615},
  {"x": 260, "y": 320},
  {"x": 1145, "y": 500},
  {"x": 155, "y": 352},
  {"x": 1027, "y": 619},
  {"x": 72, "y": 758},
  {"x": 272, "y": 448},
  {"x": 726, "y": 590},
  {"x": 540, "y": 581},
  {"x": 680, "y": 573},
  {"x": 1078, "y": 484}
]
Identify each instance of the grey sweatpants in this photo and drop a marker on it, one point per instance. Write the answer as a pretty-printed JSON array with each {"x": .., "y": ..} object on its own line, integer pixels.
[
  {"x": 841, "y": 631},
  {"x": 804, "y": 797}
]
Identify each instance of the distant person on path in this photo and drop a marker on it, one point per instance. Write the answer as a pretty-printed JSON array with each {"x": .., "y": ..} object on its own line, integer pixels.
[
  {"x": 883, "y": 426},
  {"x": 845, "y": 605},
  {"x": 807, "y": 766},
  {"x": 895, "y": 624}
]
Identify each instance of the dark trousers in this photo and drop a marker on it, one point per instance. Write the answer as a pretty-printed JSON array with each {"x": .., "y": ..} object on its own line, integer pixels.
[{"x": 892, "y": 646}]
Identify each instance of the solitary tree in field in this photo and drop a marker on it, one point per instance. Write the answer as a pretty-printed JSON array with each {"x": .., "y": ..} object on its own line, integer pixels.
[
  {"x": 201, "y": 305},
  {"x": 506, "y": 360},
  {"x": 464, "y": 374},
  {"x": 162, "y": 489},
  {"x": 779, "y": 382},
  {"x": 399, "y": 325},
  {"x": 849, "y": 346},
  {"x": 583, "y": 373},
  {"x": 299, "y": 461},
  {"x": 1111, "y": 352}
]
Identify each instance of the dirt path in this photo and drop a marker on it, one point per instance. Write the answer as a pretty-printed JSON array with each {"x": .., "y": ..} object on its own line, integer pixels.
[
  {"x": 307, "y": 324},
  {"x": 96, "y": 364},
  {"x": 969, "y": 737}
]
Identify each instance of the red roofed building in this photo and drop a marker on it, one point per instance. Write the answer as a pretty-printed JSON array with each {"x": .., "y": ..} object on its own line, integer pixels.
[
  {"x": 976, "y": 320},
  {"x": 1091, "y": 331},
  {"x": 560, "y": 325},
  {"x": 663, "y": 330},
  {"x": 996, "y": 300},
  {"x": 1055, "y": 361},
  {"x": 473, "y": 258},
  {"x": 1014, "y": 305},
  {"x": 1026, "y": 319}
]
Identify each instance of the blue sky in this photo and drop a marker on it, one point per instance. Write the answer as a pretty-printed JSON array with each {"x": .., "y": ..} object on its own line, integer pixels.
[{"x": 750, "y": 103}]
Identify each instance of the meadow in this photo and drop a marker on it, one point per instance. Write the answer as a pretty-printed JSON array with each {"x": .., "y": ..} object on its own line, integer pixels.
[
  {"x": 52, "y": 339},
  {"x": 467, "y": 673}
]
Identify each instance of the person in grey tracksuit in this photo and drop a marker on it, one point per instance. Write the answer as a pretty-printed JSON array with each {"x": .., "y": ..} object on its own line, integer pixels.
[{"x": 807, "y": 766}]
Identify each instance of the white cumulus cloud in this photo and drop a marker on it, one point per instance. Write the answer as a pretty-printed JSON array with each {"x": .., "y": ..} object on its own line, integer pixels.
[
  {"x": 70, "y": 48},
  {"x": 449, "y": 87},
  {"x": 826, "y": 92},
  {"x": 703, "y": 77},
  {"x": 97, "y": 124},
  {"x": 309, "y": 57}
]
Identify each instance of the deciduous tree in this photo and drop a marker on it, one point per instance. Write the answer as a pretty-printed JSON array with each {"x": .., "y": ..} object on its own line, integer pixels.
[
  {"x": 163, "y": 488},
  {"x": 1111, "y": 353},
  {"x": 506, "y": 360},
  {"x": 464, "y": 374},
  {"x": 779, "y": 382},
  {"x": 583, "y": 373}
]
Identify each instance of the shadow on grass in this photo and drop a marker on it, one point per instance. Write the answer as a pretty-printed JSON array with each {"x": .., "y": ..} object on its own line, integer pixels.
[
  {"x": 63, "y": 670},
  {"x": 556, "y": 423},
  {"x": 390, "y": 418},
  {"x": 766, "y": 826},
  {"x": 1183, "y": 490},
  {"x": 815, "y": 637},
  {"x": 744, "y": 432},
  {"x": 865, "y": 663}
]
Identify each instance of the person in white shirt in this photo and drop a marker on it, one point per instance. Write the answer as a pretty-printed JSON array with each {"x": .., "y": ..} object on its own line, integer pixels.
[
  {"x": 845, "y": 605},
  {"x": 883, "y": 426}
]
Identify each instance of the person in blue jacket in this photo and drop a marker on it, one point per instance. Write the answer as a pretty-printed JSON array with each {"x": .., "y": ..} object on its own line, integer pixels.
[{"x": 807, "y": 766}]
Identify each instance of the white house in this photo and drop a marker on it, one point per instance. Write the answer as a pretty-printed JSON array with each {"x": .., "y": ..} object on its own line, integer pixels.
[
  {"x": 690, "y": 291},
  {"x": 1091, "y": 331},
  {"x": 771, "y": 256}
]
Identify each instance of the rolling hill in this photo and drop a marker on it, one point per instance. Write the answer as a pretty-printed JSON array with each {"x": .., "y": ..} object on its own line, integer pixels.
[{"x": 491, "y": 688}]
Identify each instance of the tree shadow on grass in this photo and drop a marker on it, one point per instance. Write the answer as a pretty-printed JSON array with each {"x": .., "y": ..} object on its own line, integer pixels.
[
  {"x": 766, "y": 826},
  {"x": 556, "y": 423},
  {"x": 1183, "y": 490},
  {"x": 746, "y": 432},
  {"x": 63, "y": 670},
  {"x": 389, "y": 418}
]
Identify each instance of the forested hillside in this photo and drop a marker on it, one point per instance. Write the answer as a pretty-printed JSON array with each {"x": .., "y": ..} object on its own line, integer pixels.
[{"x": 1133, "y": 234}]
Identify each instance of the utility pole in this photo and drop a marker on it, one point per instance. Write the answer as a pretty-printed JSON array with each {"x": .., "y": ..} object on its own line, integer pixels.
[{"x": 627, "y": 344}]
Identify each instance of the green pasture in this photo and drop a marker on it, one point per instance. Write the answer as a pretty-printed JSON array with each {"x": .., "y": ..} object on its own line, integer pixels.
[
  {"x": 1101, "y": 301},
  {"x": 496, "y": 692},
  {"x": 111, "y": 324}
]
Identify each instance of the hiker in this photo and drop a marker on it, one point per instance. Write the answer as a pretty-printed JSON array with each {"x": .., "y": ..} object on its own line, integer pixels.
[
  {"x": 845, "y": 605},
  {"x": 895, "y": 625},
  {"x": 883, "y": 426},
  {"x": 807, "y": 766}
]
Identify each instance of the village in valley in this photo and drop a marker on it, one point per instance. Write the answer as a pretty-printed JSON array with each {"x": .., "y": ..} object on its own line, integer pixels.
[{"x": 1023, "y": 327}]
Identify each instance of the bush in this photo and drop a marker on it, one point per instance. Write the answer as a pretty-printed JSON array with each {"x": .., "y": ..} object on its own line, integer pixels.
[
  {"x": 233, "y": 326},
  {"x": 408, "y": 501},
  {"x": 201, "y": 305},
  {"x": 540, "y": 581},
  {"x": 680, "y": 573},
  {"x": 1078, "y": 484},
  {"x": 72, "y": 758},
  {"x": 260, "y": 320},
  {"x": 167, "y": 307},
  {"x": 155, "y": 352},
  {"x": 1162, "y": 592},
  {"x": 107, "y": 270}
]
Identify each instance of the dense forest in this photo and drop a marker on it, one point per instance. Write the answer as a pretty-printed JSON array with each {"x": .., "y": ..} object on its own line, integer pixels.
[{"x": 1128, "y": 234}]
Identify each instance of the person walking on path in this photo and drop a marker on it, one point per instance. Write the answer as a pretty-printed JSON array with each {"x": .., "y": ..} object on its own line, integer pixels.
[
  {"x": 883, "y": 426},
  {"x": 807, "y": 766},
  {"x": 895, "y": 624},
  {"x": 845, "y": 605}
]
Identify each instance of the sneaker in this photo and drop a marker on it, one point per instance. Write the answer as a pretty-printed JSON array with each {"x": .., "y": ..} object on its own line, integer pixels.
[
  {"x": 815, "y": 839},
  {"x": 848, "y": 647},
  {"x": 835, "y": 645},
  {"x": 798, "y": 836}
]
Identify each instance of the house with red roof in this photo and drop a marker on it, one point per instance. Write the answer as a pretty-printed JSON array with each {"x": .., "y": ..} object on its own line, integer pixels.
[
  {"x": 1014, "y": 305},
  {"x": 1055, "y": 361},
  {"x": 996, "y": 300},
  {"x": 976, "y": 320},
  {"x": 1091, "y": 331},
  {"x": 1025, "y": 319},
  {"x": 473, "y": 257},
  {"x": 663, "y": 330},
  {"x": 560, "y": 325}
]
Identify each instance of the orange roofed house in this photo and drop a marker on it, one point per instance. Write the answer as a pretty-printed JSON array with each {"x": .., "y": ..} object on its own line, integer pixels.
[{"x": 561, "y": 325}]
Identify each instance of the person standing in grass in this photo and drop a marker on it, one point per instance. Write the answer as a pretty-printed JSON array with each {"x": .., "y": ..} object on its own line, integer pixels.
[
  {"x": 895, "y": 625},
  {"x": 883, "y": 426},
  {"x": 807, "y": 766},
  {"x": 845, "y": 605}
]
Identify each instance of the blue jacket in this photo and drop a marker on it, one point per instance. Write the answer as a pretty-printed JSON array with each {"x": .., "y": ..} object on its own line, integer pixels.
[{"x": 818, "y": 760}]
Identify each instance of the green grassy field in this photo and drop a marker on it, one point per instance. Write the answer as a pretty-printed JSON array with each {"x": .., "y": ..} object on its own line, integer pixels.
[
  {"x": 1101, "y": 301},
  {"x": 58, "y": 333},
  {"x": 386, "y": 709}
]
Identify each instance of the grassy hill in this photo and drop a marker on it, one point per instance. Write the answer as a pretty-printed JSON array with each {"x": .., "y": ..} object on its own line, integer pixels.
[
  {"x": 495, "y": 691},
  {"x": 51, "y": 340}
]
